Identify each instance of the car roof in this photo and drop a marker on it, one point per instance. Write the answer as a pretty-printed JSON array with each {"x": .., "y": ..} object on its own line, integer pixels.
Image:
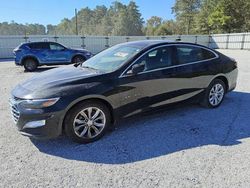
[
  {"x": 146, "y": 43},
  {"x": 40, "y": 42},
  {"x": 149, "y": 43}
]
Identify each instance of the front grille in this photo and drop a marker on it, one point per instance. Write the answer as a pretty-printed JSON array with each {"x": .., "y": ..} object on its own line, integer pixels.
[{"x": 14, "y": 109}]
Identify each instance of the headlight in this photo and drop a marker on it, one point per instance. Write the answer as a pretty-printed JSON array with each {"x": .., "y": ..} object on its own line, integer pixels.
[{"x": 38, "y": 103}]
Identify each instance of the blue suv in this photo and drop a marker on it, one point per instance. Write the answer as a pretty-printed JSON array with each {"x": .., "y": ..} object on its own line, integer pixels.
[{"x": 34, "y": 54}]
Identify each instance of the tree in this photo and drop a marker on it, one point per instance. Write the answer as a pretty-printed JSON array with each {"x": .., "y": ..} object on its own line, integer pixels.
[
  {"x": 65, "y": 27},
  {"x": 218, "y": 20},
  {"x": 51, "y": 29},
  {"x": 168, "y": 27},
  {"x": 201, "y": 20},
  {"x": 21, "y": 29},
  {"x": 192, "y": 17},
  {"x": 223, "y": 16},
  {"x": 135, "y": 19},
  {"x": 152, "y": 25},
  {"x": 126, "y": 20},
  {"x": 85, "y": 22},
  {"x": 121, "y": 25},
  {"x": 185, "y": 12},
  {"x": 238, "y": 11}
]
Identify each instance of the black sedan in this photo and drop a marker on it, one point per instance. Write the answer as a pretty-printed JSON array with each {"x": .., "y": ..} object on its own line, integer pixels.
[{"x": 84, "y": 100}]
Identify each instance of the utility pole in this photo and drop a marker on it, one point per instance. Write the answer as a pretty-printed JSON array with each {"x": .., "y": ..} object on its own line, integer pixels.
[{"x": 76, "y": 22}]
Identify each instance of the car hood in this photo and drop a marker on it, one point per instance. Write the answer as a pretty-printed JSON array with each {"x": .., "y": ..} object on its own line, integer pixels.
[
  {"x": 79, "y": 50},
  {"x": 50, "y": 80}
]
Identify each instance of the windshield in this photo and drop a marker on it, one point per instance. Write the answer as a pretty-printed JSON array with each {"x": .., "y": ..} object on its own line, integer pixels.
[{"x": 112, "y": 58}]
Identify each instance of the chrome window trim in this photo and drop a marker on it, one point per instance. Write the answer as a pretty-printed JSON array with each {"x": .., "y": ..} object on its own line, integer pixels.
[{"x": 167, "y": 45}]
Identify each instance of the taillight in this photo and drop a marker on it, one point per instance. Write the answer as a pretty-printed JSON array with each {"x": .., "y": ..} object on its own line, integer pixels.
[
  {"x": 235, "y": 62},
  {"x": 16, "y": 50}
]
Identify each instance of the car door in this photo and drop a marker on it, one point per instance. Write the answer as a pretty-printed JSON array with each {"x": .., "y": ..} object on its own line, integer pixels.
[
  {"x": 151, "y": 87},
  {"x": 195, "y": 67},
  {"x": 40, "y": 50},
  {"x": 171, "y": 74},
  {"x": 57, "y": 53}
]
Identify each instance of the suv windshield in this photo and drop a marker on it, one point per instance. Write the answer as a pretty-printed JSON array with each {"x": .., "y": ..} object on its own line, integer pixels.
[{"x": 112, "y": 58}]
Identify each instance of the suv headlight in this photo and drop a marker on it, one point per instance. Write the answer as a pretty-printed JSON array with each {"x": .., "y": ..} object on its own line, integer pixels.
[{"x": 39, "y": 103}]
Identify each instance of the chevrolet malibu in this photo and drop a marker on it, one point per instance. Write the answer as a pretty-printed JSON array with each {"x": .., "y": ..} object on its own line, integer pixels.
[{"x": 85, "y": 100}]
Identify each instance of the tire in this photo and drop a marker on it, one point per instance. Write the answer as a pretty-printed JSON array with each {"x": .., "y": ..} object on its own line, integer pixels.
[
  {"x": 78, "y": 59},
  {"x": 214, "y": 94},
  {"x": 82, "y": 129},
  {"x": 30, "y": 64}
]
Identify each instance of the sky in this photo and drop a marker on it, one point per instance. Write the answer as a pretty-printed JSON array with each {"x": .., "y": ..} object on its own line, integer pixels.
[{"x": 53, "y": 11}]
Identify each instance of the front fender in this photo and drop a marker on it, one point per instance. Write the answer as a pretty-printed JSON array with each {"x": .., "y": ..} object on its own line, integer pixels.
[{"x": 83, "y": 98}]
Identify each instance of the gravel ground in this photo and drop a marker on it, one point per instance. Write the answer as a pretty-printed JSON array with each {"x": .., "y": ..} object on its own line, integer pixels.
[{"x": 183, "y": 147}]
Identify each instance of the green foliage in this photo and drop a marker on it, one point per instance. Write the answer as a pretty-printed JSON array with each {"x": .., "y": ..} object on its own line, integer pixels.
[
  {"x": 217, "y": 20},
  {"x": 21, "y": 29},
  {"x": 118, "y": 19},
  {"x": 223, "y": 16},
  {"x": 185, "y": 12},
  {"x": 192, "y": 17},
  {"x": 153, "y": 25}
]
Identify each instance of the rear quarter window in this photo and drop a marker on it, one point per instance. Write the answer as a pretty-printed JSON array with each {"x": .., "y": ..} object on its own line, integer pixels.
[{"x": 191, "y": 54}]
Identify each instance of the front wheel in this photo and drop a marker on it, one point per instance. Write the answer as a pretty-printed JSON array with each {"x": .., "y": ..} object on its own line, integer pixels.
[
  {"x": 78, "y": 59},
  {"x": 214, "y": 94},
  {"x": 87, "y": 122}
]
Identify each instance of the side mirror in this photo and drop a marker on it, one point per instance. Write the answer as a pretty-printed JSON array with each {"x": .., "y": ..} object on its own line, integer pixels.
[{"x": 136, "y": 69}]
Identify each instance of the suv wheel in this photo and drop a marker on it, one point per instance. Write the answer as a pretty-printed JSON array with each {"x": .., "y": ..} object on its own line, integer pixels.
[
  {"x": 87, "y": 122},
  {"x": 30, "y": 64},
  {"x": 214, "y": 94},
  {"x": 78, "y": 59}
]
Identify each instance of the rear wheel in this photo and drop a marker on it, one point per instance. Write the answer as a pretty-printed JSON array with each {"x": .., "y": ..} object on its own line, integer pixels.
[
  {"x": 87, "y": 122},
  {"x": 30, "y": 64},
  {"x": 78, "y": 59},
  {"x": 214, "y": 94}
]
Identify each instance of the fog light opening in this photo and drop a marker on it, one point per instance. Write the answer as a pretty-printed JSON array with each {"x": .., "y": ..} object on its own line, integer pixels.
[{"x": 34, "y": 124}]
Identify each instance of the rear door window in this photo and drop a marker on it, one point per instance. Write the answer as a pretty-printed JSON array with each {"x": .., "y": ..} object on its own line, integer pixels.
[
  {"x": 190, "y": 54},
  {"x": 39, "y": 46}
]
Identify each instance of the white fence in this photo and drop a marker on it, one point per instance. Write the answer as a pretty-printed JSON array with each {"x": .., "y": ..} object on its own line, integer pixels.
[
  {"x": 93, "y": 43},
  {"x": 230, "y": 41},
  {"x": 97, "y": 43}
]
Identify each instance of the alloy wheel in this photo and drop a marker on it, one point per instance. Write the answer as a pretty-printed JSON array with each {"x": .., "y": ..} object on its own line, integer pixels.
[
  {"x": 216, "y": 94},
  {"x": 89, "y": 122}
]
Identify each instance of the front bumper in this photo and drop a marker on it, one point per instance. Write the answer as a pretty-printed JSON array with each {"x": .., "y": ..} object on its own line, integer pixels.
[
  {"x": 37, "y": 123},
  {"x": 17, "y": 61}
]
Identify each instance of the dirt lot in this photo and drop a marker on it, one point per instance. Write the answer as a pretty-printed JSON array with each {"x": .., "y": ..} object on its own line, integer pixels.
[{"x": 184, "y": 147}]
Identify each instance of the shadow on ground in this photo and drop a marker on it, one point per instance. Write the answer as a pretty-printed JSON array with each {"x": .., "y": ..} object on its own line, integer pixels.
[
  {"x": 162, "y": 133},
  {"x": 6, "y": 60},
  {"x": 42, "y": 69}
]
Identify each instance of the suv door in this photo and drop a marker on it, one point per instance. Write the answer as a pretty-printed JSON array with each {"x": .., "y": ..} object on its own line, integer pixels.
[
  {"x": 40, "y": 50},
  {"x": 58, "y": 53}
]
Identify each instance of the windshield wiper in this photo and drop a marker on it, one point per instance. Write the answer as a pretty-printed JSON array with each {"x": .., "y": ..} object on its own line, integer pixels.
[
  {"x": 87, "y": 67},
  {"x": 77, "y": 64}
]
